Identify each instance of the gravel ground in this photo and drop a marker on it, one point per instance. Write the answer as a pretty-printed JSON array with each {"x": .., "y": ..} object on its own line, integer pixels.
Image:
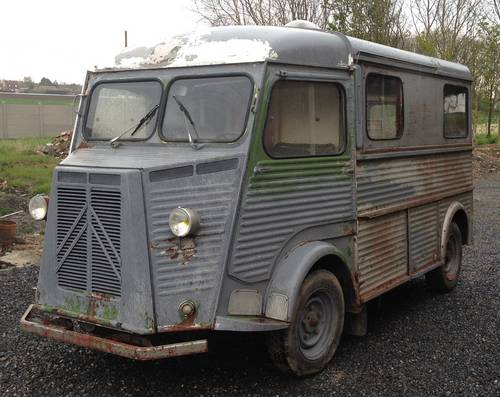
[{"x": 419, "y": 343}]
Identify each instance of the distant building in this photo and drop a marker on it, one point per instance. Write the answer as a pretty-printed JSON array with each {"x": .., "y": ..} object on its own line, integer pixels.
[
  {"x": 21, "y": 86},
  {"x": 10, "y": 85}
]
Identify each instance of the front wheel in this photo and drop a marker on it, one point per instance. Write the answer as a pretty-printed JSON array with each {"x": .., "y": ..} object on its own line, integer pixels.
[
  {"x": 309, "y": 344},
  {"x": 445, "y": 277}
]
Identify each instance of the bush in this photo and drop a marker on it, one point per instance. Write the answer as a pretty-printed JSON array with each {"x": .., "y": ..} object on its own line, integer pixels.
[{"x": 483, "y": 139}]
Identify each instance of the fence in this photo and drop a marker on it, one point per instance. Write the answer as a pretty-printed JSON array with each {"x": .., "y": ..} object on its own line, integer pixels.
[{"x": 34, "y": 115}]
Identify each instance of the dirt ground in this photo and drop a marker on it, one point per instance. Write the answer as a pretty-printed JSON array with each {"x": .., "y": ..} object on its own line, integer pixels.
[
  {"x": 486, "y": 160},
  {"x": 28, "y": 246}
]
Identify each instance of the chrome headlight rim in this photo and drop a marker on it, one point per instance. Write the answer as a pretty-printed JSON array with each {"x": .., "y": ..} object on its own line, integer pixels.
[
  {"x": 38, "y": 207},
  {"x": 183, "y": 221}
]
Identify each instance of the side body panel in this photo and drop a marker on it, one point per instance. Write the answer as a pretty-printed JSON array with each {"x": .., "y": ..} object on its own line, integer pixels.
[{"x": 405, "y": 185}]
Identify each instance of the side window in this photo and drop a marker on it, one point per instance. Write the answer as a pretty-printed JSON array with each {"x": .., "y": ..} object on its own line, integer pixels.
[
  {"x": 455, "y": 111},
  {"x": 384, "y": 107},
  {"x": 305, "y": 119}
]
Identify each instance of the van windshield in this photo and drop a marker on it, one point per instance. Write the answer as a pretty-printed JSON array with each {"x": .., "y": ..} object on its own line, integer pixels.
[
  {"x": 116, "y": 108},
  {"x": 210, "y": 109}
]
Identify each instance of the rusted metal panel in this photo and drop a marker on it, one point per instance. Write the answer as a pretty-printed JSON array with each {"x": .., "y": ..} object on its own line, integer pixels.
[
  {"x": 423, "y": 236},
  {"x": 382, "y": 252},
  {"x": 285, "y": 197},
  {"x": 392, "y": 181},
  {"x": 190, "y": 267},
  {"x": 63, "y": 330}
]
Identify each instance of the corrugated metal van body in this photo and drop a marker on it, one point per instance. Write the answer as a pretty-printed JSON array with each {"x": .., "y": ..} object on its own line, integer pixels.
[
  {"x": 191, "y": 268},
  {"x": 288, "y": 196},
  {"x": 402, "y": 201},
  {"x": 394, "y": 181}
]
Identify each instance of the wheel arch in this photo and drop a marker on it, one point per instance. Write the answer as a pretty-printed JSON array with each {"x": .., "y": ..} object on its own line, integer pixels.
[
  {"x": 456, "y": 213},
  {"x": 291, "y": 271}
]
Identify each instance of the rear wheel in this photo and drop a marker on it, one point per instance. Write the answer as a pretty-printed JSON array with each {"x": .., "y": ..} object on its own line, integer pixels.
[
  {"x": 445, "y": 277},
  {"x": 310, "y": 342}
]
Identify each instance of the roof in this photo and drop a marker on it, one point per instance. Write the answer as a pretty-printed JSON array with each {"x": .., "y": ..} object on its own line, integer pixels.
[{"x": 238, "y": 44}]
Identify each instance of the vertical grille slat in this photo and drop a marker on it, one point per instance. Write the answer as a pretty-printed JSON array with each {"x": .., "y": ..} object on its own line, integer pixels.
[{"x": 89, "y": 238}]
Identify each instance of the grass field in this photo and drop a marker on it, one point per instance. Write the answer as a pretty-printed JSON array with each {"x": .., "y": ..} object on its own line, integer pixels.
[
  {"x": 38, "y": 101},
  {"x": 22, "y": 168}
]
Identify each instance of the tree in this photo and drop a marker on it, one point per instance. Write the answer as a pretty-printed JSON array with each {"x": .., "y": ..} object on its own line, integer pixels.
[
  {"x": 490, "y": 70},
  {"x": 28, "y": 82},
  {"x": 381, "y": 21},
  {"x": 45, "y": 81},
  {"x": 263, "y": 12}
]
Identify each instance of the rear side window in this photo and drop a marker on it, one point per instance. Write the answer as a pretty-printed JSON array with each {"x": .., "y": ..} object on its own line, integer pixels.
[
  {"x": 455, "y": 111},
  {"x": 305, "y": 119},
  {"x": 384, "y": 107}
]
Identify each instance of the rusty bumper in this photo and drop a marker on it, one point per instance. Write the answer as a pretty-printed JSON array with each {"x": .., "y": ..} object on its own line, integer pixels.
[{"x": 61, "y": 330}]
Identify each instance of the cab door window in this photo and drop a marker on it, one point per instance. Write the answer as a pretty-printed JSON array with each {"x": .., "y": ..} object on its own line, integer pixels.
[{"x": 305, "y": 119}]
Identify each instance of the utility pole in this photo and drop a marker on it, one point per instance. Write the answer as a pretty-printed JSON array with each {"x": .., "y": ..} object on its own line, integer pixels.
[{"x": 126, "y": 39}]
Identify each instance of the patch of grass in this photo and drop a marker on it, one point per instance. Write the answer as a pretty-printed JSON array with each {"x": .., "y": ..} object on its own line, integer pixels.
[
  {"x": 24, "y": 169},
  {"x": 6, "y": 210},
  {"x": 483, "y": 139},
  {"x": 36, "y": 101}
]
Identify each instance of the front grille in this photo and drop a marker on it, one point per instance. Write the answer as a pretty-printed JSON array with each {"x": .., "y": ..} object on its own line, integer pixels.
[{"x": 88, "y": 239}]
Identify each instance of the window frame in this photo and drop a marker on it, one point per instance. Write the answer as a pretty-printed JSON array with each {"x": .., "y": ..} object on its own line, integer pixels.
[
  {"x": 467, "y": 132},
  {"x": 161, "y": 134},
  {"x": 401, "y": 127},
  {"x": 342, "y": 111},
  {"x": 122, "y": 81}
]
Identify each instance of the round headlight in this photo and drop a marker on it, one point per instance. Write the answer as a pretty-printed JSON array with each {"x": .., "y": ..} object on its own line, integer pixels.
[
  {"x": 183, "y": 221},
  {"x": 38, "y": 207}
]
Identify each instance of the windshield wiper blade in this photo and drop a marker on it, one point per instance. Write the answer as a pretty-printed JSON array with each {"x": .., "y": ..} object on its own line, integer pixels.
[
  {"x": 137, "y": 127},
  {"x": 194, "y": 143}
]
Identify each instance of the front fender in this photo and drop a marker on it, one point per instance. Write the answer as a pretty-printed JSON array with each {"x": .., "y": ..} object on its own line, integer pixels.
[{"x": 289, "y": 274}]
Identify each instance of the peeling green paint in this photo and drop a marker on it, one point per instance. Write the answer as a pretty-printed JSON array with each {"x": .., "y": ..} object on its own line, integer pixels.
[
  {"x": 109, "y": 313},
  {"x": 72, "y": 305}
]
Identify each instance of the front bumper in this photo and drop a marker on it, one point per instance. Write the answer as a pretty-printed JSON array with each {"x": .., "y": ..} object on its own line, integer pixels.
[{"x": 136, "y": 347}]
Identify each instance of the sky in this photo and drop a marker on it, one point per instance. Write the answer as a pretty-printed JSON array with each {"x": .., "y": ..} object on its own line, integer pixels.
[{"x": 61, "y": 39}]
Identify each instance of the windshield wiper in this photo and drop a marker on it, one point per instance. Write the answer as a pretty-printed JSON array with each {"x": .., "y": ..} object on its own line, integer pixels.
[
  {"x": 136, "y": 127},
  {"x": 187, "y": 116}
]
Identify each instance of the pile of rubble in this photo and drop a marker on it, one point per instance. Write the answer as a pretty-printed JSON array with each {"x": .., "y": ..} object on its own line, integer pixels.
[
  {"x": 486, "y": 160},
  {"x": 59, "y": 147}
]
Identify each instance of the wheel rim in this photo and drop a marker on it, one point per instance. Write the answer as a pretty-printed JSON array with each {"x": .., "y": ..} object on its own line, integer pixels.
[
  {"x": 315, "y": 325},
  {"x": 452, "y": 260}
]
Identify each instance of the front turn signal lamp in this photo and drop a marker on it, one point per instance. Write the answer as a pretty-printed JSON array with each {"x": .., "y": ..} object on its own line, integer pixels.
[
  {"x": 183, "y": 221},
  {"x": 38, "y": 207}
]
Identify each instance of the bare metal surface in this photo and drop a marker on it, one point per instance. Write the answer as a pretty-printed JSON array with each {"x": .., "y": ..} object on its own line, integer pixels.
[
  {"x": 423, "y": 237},
  {"x": 382, "y": 251},
  {"x": 392, "y": 181}
]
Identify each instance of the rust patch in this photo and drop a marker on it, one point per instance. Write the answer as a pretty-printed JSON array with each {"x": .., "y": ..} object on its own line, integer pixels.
[{"x": 182, "y": 249}]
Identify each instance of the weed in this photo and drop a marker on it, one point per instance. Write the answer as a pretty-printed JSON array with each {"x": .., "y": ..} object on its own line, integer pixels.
[
  {"x": 22, "y": 168},
  {"x": 483, "y": 139}
]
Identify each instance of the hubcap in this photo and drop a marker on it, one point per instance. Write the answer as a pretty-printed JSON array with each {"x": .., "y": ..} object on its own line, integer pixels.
[
  {"x": 315, "y": 325},
  {"x": 452, "y": 259}
]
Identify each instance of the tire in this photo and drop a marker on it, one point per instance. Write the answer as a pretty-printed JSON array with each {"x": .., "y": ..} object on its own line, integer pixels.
[
  {"x": 310, "y": 342},
  {"x": 445, "y": 277}
]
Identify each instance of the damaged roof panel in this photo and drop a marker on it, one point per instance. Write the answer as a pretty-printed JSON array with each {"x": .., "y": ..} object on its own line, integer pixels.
[{"x": 246, "y": 44}]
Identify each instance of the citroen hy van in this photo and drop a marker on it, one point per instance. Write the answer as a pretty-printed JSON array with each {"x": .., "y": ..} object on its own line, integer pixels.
[{"x": 271, "y": 179}]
